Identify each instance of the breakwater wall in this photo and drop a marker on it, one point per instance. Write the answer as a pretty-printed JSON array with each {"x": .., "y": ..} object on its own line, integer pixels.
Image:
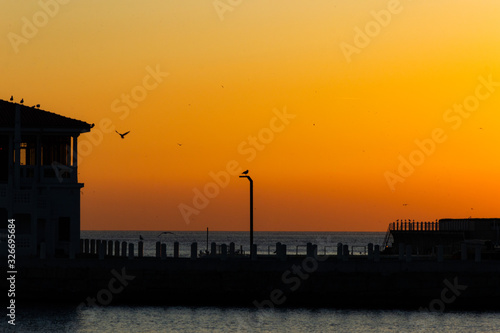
[{"x": 266, "y": 281}]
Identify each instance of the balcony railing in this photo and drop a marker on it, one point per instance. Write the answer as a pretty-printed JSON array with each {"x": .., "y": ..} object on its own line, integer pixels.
[{"x": 55, "y": 173}]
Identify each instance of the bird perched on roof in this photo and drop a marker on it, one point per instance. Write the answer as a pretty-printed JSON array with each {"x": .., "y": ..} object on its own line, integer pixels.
[
  {"x": 244, "y": 172},
  {"x": 123, "y": 135},
  {"x": 92, "y": 126},
  {"x": 22, "y": 100},
  {"x": 11, "y": 98}
]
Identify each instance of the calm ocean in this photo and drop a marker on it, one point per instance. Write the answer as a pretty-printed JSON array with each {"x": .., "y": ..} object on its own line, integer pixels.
[{"x": 118, "y": 318}]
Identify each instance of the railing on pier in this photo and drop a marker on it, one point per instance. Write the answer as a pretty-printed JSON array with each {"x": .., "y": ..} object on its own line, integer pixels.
[{"x": 408, "y": 225}]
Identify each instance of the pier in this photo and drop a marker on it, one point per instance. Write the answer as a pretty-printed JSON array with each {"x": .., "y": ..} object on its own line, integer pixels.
[{"x": 347, "y": 276}]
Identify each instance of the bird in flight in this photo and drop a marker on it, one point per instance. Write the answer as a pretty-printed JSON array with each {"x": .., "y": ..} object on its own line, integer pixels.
[
  {"x": 179, "y": 144},
  {"x": 244, "y": 172},
  {"x": 11, "y": 98},
  {"x": 165, "y": 232},
  {"x": 123, "y": 135}
]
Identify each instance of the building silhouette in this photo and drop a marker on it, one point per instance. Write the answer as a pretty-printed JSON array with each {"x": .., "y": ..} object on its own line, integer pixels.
[{"x": 39, "y": 185}]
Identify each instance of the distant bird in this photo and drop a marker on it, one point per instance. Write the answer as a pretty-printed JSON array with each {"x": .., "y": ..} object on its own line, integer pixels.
[
  {"x": 123, "y": 135},
  {"x": 165, "y": 232},
  {"x": 11, "y": 98},
  {"x": 22, "y": 100},
  {"x": 244, "y": 172},
  {"x": 38, "y": 105},
  {"x": 179, "y": 144},
  {"x": 222, "y": 86},
  {"x": 140, "y": 237}
]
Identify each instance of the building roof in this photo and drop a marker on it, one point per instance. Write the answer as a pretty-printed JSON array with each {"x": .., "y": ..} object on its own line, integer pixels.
[{"x": 34, "y": 118}]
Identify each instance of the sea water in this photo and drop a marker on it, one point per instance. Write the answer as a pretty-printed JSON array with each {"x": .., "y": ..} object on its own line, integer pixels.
[{"x": 50, "y": 317}]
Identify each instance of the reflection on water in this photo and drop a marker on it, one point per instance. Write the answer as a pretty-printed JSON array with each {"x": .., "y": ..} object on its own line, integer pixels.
[{"x": 60, "y": 318}]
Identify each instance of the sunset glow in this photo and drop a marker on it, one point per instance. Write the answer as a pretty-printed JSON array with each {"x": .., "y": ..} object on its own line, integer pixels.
[{"x": 347, "y": 114}]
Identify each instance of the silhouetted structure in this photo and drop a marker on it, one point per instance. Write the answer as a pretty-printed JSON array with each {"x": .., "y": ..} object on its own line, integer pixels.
[
  {"x": 450, "y": 233},
  {"x": 39, "y": 185}
]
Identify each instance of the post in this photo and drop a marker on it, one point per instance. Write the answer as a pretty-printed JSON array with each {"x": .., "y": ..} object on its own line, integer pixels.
[
  {"x": 213, "y": 249},
  {"x": 140, "y": 249},
  {"x": 131, "y": 251},
  {"x": 158, "y": 249},
  {"x": 110, "y": 248},
  {"x": 87, "y": 246},
  {"x": 231, "y": 249},
  {"x": 309, "y": 250},
  {"x": 253, "y": 252},
  {"x": 194, "y": 250},
  {"x": 345, "y": 252},
  {"x": 251, "y": 210},
  {"x": 176, "y": 249},
  {"x": 339, "y": 251},
  {"x": 163, "y": 251},
  {"x": 223, "y": 251},
  {"x": 124, "y": 249},
  {"x": 92, "y": 246},
  {"x": 370, "y": 251},
  {"x": 117, "y": 248},
  {"x": 101, "y": 251},
  {"x": 376, "y": 253},
  {"x": 282, "y": 252}
]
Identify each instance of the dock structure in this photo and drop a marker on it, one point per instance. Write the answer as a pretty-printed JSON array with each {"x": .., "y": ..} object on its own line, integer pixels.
[
  {"x": 338, "y": 279},
  {"x": 424, "y": 237}
]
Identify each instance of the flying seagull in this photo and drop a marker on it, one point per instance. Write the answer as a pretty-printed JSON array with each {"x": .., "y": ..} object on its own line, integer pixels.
[
  {"x": 165, "y": 232},
  {"x": 11, "y": 98},
  {"x": 123, "y": 135},
  {"x": 244, "y": 172}
]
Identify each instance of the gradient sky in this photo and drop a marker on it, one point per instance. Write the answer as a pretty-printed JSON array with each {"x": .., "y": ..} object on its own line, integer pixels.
[{"x": 392, "y": 108}]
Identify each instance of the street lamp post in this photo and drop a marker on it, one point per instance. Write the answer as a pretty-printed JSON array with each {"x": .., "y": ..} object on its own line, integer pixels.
[{"x": 251, "y": 211}]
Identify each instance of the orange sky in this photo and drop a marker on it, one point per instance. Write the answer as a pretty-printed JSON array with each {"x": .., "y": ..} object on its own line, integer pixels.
[{"x": 348, "y": 114}]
